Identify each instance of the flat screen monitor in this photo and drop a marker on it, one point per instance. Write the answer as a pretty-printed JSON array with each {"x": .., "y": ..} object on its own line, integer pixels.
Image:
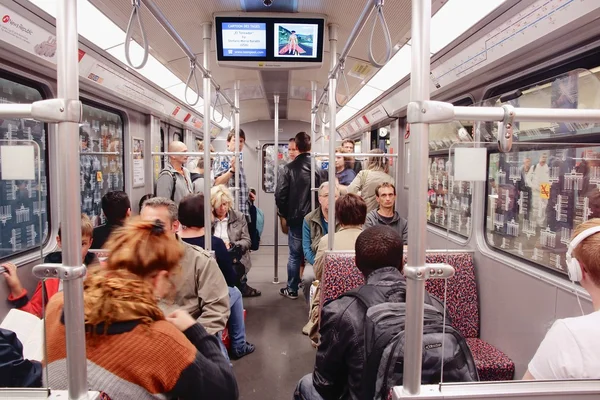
[{"x": 269, "y": 39}]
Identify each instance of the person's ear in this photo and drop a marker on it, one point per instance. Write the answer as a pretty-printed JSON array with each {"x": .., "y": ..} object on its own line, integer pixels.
[
  {"x": 128, "y": 214},
  {"x": 176, "y": 226}
]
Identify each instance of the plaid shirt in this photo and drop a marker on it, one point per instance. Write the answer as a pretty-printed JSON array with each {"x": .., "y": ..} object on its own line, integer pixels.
[{"x": 221, "y": 166}]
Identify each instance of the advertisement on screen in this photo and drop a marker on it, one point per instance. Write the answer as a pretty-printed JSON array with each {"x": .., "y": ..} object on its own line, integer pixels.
[
  {"x": 244, "y": 39},
  {"x": 296, "y": 40}
]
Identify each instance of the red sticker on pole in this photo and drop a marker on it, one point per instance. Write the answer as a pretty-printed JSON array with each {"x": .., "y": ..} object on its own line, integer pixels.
[{"x": 407, "y": 133}]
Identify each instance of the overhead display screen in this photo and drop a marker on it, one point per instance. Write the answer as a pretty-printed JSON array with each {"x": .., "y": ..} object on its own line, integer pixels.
[
  {"x": 269, "y": 39},
  {"x": 244, "y": 39}
]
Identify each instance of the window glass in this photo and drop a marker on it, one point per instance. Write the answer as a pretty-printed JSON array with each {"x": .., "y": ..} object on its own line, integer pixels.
[
  {"x": 24, "y": 204},
  {"x": 101, "y": 148},
  {"x": 577, "y": 89},
  {"x": 268, "y": 167},
  {"x": 537, "y": 196},
  {"x": 449, "y": 202}
]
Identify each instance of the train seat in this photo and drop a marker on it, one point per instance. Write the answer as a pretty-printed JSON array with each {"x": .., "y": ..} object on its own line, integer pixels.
[
  {"x": 341, "y": 275},
  {"x": 462, "y": 304}
]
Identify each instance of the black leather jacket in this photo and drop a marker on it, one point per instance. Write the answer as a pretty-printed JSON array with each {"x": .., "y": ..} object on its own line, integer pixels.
[
  {"x": 341, "y": 354},
  {"x": 292, "y": 195}
]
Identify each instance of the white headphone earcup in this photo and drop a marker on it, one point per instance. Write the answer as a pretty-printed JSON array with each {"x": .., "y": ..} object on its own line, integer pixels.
[{"x": 574, "y": 270}]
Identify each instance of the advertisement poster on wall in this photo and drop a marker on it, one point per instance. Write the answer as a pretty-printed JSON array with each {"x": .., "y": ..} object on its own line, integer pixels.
[{"x": 138, "y": 162}]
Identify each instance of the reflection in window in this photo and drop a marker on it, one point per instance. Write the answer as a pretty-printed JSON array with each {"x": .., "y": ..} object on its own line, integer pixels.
[
  {"x": 101, "y": 131},
  {"x": 268, "y": 167},
  {"x": 449, "y": 201},
  {"x": 20, "y": 205},
  {"x": 536, "y": 198},
  {"x": 577, "y": 89}
]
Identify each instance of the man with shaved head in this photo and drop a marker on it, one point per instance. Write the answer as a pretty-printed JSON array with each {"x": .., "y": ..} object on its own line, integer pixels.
[{"x": 174, "y": 181}]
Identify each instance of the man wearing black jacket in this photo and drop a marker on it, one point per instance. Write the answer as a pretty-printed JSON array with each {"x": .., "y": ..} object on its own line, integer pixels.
[{"x": 292, "y": 198}]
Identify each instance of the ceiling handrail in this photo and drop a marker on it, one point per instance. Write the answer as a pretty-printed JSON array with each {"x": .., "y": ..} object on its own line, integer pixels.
[
  {"x": 187, "y": 84},
  {"x": 379, "y": 17},
  {"x": 135, "y": 13}
]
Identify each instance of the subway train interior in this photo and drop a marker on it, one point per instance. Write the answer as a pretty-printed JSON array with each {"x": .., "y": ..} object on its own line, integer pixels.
[{"x": 496, "y": 198}]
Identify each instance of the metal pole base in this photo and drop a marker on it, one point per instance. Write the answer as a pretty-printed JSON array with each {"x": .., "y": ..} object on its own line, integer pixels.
[{"x": 275, "y": 281}]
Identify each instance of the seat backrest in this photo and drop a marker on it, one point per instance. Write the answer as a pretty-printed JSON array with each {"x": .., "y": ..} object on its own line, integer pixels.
[
  {"x": 340, "y": 275},
  {"x": 462, "y": 299}
]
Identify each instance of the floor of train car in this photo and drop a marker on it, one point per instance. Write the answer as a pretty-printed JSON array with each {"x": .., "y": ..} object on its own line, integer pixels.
[{"x": 274, "y": 324}]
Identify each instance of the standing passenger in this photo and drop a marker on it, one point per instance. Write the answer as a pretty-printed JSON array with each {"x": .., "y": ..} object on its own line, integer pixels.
[
  {"x": 224, "y": 168},
  {"x": 367, "y": 180},
  {"x": 570, "y": 348},
  {"x": 292, "y": 149},
  {"x": 343, "y": 174},
  {"x": 353, "y": 164},
  {"x": 133, "y": 350},
  {"x": 116, "y": 208},
  {"x": 174, "y": 181},
  {"x": 292, "y": 197}
]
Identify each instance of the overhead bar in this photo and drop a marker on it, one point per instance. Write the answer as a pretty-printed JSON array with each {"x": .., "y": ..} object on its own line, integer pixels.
[
  {"x": 162, "y": 20},
  {"x": 190, "y": 153},
  {"x": 356, "y": 155},
  {"x": 337, "y": 63}
]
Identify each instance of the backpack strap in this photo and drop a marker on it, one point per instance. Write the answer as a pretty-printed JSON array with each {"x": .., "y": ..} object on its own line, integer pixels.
[{"x": 174, "y": 177}]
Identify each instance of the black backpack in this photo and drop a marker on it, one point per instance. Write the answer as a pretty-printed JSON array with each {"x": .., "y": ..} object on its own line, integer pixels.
[
  {"x": 166, "y": 171},
  {"x": 384, "y": 336}
]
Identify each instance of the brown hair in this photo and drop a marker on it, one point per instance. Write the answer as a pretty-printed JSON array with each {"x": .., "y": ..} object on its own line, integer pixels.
[
  {"x": 302, "y": 140},
  {"x": 385, "y": 185},
  {"x": 143, "y": 248},
  {"x": 231, "y": 135},
  {"x": 350, "y": 209},
  {"x": 378, "y": 163},
  {"x": 347, "y": 141},
  {"x": 87, "y": 228},
  {"x": 588, "y": 251},
  {"x": 342, "y": 150}
]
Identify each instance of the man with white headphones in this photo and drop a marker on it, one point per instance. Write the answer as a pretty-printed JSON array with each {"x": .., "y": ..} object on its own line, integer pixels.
[{"x": 571, "y": 349}]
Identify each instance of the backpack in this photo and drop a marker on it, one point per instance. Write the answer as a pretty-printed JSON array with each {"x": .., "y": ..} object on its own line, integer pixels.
[
  {"x": 260, "y": 221},
  {"x": 384, "y": 336},
  {"x": 166, "y": 171}
]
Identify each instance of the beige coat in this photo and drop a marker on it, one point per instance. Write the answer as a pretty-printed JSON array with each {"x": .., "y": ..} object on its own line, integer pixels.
[
  {"x": 366, "y": 182},
  {"x": 344, "y": 239},
  {"x": 201, "y": 289}
]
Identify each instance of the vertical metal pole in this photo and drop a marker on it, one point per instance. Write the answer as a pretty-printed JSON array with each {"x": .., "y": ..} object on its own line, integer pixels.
[
  {"x": 313, "y": 125},
  {"x": 276, "y": 223},
  {"x": 322, "y": 137},
  {"x": 206, "y": 95},
  {"x": 70, "y": 199},
  {"x": 332, "y": 112},
  {"x": 238, "y": 163},
  {"x": 417, "y": 206}
]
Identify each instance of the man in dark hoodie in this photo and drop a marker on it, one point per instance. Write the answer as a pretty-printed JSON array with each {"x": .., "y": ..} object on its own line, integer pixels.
[
  {"x": 385, "y": 214},
  {"x": 116, "y": 208}
]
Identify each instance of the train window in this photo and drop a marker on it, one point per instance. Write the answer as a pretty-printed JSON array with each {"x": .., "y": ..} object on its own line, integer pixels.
[
  {"x": 577, "y": 89},
  {"x": 449, "y": 203},
  {"x": 100, "y": 135},
  {"x": 537, "y": 195},
  {"x": 268, "y": 167},
  {"x": 24, "y": 204}
]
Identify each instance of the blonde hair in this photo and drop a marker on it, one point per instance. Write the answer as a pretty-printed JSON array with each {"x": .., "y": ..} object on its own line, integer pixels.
[
  {"x": 378, "y": 163},
  {"x": 220, "y": 194},
  {"x": 143, "y": 248},
  {"x": 87, "y": 227},
  {"x": 588, "y": 251}
]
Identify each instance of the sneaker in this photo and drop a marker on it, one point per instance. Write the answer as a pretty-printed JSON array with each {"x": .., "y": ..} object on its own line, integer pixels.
[{"x": 288, "y": 293}]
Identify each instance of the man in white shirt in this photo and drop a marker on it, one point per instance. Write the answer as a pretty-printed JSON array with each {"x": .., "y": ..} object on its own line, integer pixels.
[{"x": 571, "y": 349}]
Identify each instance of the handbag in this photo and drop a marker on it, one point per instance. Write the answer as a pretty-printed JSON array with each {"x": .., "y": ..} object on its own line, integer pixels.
[{"x": 236, "y": 256}]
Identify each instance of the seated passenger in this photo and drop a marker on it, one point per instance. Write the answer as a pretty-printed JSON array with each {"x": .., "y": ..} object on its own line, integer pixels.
[
  {"x": 34, "y": 305},
  {"x": 343, "y": 174},
  {"x": 368, "y": 180},
  {"x": 350, "y": 212},
  {"x": 385, "y": 214},
  {"x": 133, "y": 351},
  {"x": 191, "y": 216},
  {"x": 143, "y": 200},
  {"x": 200, "y": 287},
  {"x": 314, "y": 227},
  {"x": 569, "y": 350},
  {"x": 15, "y": 370},
  {"x": 232, "y": 227},
  {"x": 116, "y": 208}
]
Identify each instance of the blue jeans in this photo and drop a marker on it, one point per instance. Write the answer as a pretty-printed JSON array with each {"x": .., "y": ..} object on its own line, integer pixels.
[
  {"x": 237, "y": 328},
  {"x": 219, "y": 336},
  {"x": 295, "y": 258},
  {"x": 306, "y": 389}
]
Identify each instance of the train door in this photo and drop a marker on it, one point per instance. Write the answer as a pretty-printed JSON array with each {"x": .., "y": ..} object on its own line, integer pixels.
[{"x": 267, "y": 189}]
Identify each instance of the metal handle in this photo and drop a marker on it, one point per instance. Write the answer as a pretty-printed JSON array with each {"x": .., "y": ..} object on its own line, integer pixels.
[
  {"x": 187, "y": 84},
  {"x": 135, "y": 13}
]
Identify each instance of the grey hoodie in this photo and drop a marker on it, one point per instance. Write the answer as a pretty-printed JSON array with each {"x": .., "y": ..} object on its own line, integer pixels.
[{"x": 398, "y": 223}]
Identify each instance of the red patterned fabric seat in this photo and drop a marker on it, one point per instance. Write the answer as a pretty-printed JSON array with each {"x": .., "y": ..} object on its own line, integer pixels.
[{"x": 339, "y": 275}]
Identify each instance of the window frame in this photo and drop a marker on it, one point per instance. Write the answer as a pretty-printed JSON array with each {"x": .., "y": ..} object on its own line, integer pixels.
[{"x": 43, "y": 90}]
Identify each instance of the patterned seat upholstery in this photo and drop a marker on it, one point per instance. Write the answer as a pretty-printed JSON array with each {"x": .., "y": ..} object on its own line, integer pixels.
[
  {"x": 340, "y": 275},
  {"x": 462, "y": 304}
]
